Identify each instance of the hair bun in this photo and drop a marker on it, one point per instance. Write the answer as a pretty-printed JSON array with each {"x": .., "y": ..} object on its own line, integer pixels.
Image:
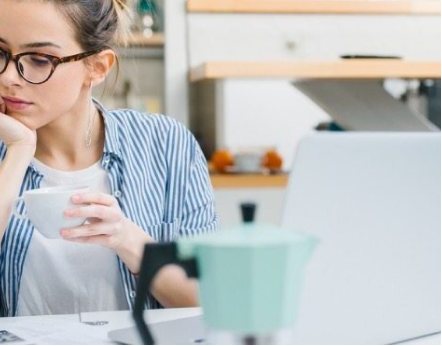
[
  {"x": 120, "y": 3},
  {"x": 124, "y": 19}
]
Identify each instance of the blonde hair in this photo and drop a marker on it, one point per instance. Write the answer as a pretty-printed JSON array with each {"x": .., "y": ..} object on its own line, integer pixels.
[{"x": 124, "y": 17}]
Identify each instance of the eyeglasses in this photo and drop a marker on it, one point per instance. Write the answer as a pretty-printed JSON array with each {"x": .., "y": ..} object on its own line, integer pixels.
[{"x": 37, "y": 68}]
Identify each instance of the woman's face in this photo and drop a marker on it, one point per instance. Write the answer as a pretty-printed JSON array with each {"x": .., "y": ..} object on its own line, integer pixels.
[{"x": 37, "y": 26}]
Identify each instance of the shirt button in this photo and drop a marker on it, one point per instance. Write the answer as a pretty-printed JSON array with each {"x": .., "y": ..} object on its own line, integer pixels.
[
  {"x": 133, "y": 294},
  {"x": 118, "y": 194}
]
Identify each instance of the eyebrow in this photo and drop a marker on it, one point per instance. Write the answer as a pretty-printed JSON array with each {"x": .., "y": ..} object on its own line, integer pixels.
[{"x": 34, "y": 44}]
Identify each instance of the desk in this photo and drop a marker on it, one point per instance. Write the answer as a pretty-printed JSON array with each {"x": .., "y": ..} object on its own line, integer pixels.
[
  {"x": 73, "y": 329},
  {"x": 116, "y": 320},
  {"x": 123, "y": 319}
]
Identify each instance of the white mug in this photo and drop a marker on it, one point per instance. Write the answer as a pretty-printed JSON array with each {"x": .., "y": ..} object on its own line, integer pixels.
[
  {"x": 45, "y": 208},
  {"x": 248, "y": 161}
]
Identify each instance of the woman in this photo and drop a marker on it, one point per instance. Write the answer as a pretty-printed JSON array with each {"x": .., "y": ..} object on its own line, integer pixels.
[{"x": 148, "y": 174}]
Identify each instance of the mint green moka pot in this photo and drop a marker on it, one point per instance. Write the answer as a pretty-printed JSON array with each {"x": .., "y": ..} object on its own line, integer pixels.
[{"x": 250, "y": 277}]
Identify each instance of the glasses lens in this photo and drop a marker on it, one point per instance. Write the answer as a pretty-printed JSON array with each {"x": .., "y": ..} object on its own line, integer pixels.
[
  {"x": 2, "y": 60},
  {"x": 35, "y": 68}
]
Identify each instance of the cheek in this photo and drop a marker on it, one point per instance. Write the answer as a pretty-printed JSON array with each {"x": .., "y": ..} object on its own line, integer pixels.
[
  {"x": 51, "y": 99},
  {"x": 60, "y": 94},
  {"x": 64, "y": 85}
]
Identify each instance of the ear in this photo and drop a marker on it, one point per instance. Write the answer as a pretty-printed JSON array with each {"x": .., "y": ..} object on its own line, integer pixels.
[{"x": 100, "y": 66}]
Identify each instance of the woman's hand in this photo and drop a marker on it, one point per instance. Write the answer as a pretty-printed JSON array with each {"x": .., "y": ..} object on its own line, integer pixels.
[
  {"x": 107, "y": 226},
  {"x": 110, "y": 228},
  {"x": 14, "y": 134}
]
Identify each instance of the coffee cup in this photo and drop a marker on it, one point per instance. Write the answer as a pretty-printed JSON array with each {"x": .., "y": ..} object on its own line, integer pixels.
[
  {"x": 248, "y": 161},
  {"x": 45, "y": 208}
]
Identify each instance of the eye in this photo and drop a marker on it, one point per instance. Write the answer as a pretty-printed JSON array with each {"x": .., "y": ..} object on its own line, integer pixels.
[{"x": 39, "y": 61}]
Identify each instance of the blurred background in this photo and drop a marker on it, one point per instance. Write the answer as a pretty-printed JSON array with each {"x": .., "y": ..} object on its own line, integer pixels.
[{"x": 250, "y": 78}]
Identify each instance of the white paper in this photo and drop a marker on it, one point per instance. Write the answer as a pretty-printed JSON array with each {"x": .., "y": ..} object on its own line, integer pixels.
[{"x": 53, "y": 330}]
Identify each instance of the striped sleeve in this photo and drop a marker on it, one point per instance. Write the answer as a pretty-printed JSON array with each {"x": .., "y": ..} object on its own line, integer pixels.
[
  {"x": 2, "y": 151},
  {"x": 199, "y": 214},
  {"x": 2, "y": 307},
  {"x": 190, "y": 195}
]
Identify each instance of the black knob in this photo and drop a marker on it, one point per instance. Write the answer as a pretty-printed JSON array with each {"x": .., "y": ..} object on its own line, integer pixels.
[{"x": 248, "y": 212}]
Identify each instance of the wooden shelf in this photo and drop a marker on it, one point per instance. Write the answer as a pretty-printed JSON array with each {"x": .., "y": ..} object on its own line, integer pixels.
[
  {"x": 418, "y": 7},
  {"x": 139, "y": 40},
  {"x": 340, "y": 69},
  {"x": 226, "y": 181}
]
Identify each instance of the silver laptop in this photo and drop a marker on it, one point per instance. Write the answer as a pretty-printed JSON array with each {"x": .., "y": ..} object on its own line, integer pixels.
[
  {"x": 183, "y": 331},
  {"x": 374, "y": 202}
]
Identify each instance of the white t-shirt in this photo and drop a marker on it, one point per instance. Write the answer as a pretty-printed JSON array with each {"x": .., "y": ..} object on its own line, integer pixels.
[{"x": 62, "y": 277}]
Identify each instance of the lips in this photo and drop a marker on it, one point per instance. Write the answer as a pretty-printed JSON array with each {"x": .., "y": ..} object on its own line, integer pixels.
[{"x": 15, "y": 103}]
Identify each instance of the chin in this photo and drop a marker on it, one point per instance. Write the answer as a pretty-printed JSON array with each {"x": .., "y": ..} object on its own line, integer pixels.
[{"x": 26, "y": 120}]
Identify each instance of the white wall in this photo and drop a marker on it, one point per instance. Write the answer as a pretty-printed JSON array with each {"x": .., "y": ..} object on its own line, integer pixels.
[
  {"x": 264, "y": 114},
  {"x": 259, "y": 37},
  {"x": 176, "y": 61}
]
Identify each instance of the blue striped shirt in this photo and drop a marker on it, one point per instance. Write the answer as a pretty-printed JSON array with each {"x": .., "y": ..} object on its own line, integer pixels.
[{"x": 159, "y": 176}]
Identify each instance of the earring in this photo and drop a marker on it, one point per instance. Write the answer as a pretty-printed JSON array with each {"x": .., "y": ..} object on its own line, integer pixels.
[{"x": 91, "y": 121}]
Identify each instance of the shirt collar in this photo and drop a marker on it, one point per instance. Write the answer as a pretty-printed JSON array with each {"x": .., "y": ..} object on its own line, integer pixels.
[{"x": 111, "y": 141}]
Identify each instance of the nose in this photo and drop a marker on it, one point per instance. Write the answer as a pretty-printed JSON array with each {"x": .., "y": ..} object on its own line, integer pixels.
[{"x": 10, "y": 76}]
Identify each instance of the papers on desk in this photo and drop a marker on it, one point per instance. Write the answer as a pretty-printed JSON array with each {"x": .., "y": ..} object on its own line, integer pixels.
[
  {"x": 48, "y": 330},
  {"x": 8, "y": 338}
]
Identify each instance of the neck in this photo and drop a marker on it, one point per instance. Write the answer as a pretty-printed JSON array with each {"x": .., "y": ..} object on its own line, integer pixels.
[{"x": 63, "y": 145}]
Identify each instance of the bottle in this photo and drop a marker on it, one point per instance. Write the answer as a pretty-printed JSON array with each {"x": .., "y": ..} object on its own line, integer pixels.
[{"x": 147, "y": 20}]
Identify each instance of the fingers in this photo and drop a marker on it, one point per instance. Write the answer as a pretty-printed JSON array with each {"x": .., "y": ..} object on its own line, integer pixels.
[
  {"x": 88, "y": 230},
  {"x": 94, "y": 198},
  {"x": 96, "y": 239},
  {"x": 95, "y": 211}
]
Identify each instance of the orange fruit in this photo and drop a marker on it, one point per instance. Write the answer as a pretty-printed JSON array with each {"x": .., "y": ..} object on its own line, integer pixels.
[
  {"x": 272, "y": 160},
  {"x": 221, "y": 159}
]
